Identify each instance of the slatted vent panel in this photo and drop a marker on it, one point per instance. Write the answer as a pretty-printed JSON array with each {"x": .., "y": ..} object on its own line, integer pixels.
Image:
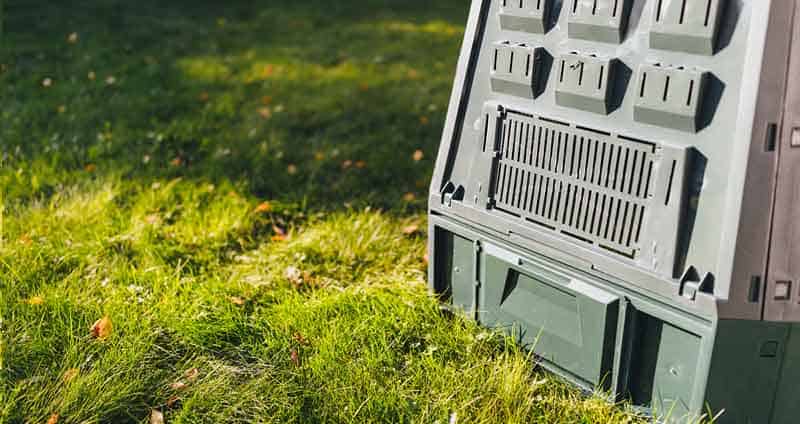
[{"x": 585, "y": 184}]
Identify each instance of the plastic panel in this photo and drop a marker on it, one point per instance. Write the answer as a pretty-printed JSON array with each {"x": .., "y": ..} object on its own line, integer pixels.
[
  {"x": 689, "y": 26},
  {"x": 599, "y": 20},
  {"x": 584, "y": 82},
  {"x": 670, "y": 97}
]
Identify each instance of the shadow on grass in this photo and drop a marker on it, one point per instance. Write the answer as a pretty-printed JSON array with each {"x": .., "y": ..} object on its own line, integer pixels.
[{"x": 315, "y": 103}]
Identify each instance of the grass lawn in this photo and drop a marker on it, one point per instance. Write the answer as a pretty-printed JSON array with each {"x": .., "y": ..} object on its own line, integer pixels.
[{"x": 214, "y": 211}]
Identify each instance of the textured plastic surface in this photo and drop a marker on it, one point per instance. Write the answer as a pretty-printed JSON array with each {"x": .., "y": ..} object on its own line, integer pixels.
[
  {"x": 599, "y": 20},
  {"x": 525, "y": 15},
  {"x": 584, "y": 82},
  {"x": 670, "y": 96},
  {"x": 517, "y": 69},
  {"x": 649, "y": 160},
  {"x": 689, "y": 26}
]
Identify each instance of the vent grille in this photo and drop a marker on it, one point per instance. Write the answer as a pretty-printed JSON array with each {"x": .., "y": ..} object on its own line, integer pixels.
[{"x": 590, "y": 185}]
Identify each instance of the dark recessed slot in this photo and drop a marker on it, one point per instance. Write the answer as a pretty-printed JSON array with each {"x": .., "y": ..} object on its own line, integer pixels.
[
  {"x": 553, "y": 121},
  {"x": 772, "y": 137},
  {"x": 754, "y": 294}
]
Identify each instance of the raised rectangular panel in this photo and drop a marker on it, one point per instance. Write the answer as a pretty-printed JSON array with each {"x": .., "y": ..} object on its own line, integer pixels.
[
  {"x": 516, "y": 69},
  {"x": 569, "y": 323},
  {"x": 455, "y": 257},
  {"x": 584, "y": 82},
  {"x": 663, "y": 366},
  {"x": 670, "y": 97},
  {"x": 598, "y": 20},
  {"x": 689, "y": 26},
  {"x": 525, "y": 15},
  {"x": 619, "y": 195}
]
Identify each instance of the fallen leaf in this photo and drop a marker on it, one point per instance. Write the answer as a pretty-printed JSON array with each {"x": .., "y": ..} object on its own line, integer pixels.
[
  {"x": 70, "y": 374},
  {"x": 156, "y": 417},
  {"x": 363, "y": 86},
  {"x": 72, "y": 38},
  {"x": 263, "y": 207},
  {"x": 178, "y": 385},
  {"x": 291, "y": 169},
  {"x": 102, "y": 328},
  {"x": 295, "y": 357},
  {"x": 410, "y": 229},
  {"x": 425, "y": 258},
  {"x": 152, "y": 219},
  {"x": 62, "y": 109},
  {"x": 413, "y": 74},
  {"x": 172, "y": 401},
  {"x": 265, "y": 112},
  {"x": 90, "y": 167},
  {"x": 268, "y": 71},
  {"x": 35, "y": 300},
  {"x": 424, "y": 120},
  {"x": 361, "y": 164},
  {"x": 347, "y": 164},
  {"x": 236, "y": 300},
  {"x": 266, "y": 100},
  {"x": 418, "y": 155},
  {"x": 47, "y": 82},
  {"x": 203, "y": 97},
  {"x": 318, "y": 156},
  {"x": 25, "y": 239},
  {"x": 176, "y": 162},
  {"x": 409, "y": 197},
  {"x": 299, "y": 338},
  {"x": 191, "y": 374},
  {"x": 53, "y": 419}
]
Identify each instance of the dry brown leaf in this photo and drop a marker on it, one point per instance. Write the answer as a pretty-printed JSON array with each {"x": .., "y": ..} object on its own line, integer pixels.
[
  {"x": 413, "y": 74},
  {"x": 299, "y": 338},
  {"x": 266, "y": 100},
  {"x": 347, "y": 164},
  {"x": 172, "y": 401},
  {"x": 318, "y": 156},
  {"x": 263, "y": 207},
  {"x": 176, "y": 162},
  {"x": 265, "y": 112},
  {"x": 203, "y": 97},
  {"x": 363, "y": 86},
  {"x": 410, "y": 229},
  {"x": 102, "y": 328},
  {"x": 236, "y": 300},
  {"x": 418, "y": 155},
  {"x": 156, "y": 417},
  {"x": 178, "y": 385},
  {"x": 53, "y": 419},
  {"x": 361, "y": 164},
  {"x": 192, "y": 374},
  {"x": 424, "y": 120},
  {"x": 70, "y": 375},
  {"x": 291, "y": 169},
  {"x": 62, "y": 109},
  {"x": 295, "y": 357},
  {"x": 409, "y": 197},
  {"x": 268, "y": 71},
  {"x": 425, "y": 258},
  {"x": 90, "y": 167}
]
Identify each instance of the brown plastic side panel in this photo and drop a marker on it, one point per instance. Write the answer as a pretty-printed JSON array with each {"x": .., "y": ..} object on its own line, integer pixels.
[
  {"x": 783, "y": 288},
  {"x": 746, "y": 300}
]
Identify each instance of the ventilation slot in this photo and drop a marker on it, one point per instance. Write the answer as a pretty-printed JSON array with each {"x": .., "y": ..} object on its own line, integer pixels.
[{"x": 586, "y": 184}]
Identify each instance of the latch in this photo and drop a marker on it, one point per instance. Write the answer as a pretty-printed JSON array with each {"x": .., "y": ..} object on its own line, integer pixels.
[
  {"x": 691, "y": 284},
  {"x": 451, "y": 192}
]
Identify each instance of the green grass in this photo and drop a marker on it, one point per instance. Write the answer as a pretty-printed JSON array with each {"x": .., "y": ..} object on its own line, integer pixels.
[{"x": 135, "y": 155}]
